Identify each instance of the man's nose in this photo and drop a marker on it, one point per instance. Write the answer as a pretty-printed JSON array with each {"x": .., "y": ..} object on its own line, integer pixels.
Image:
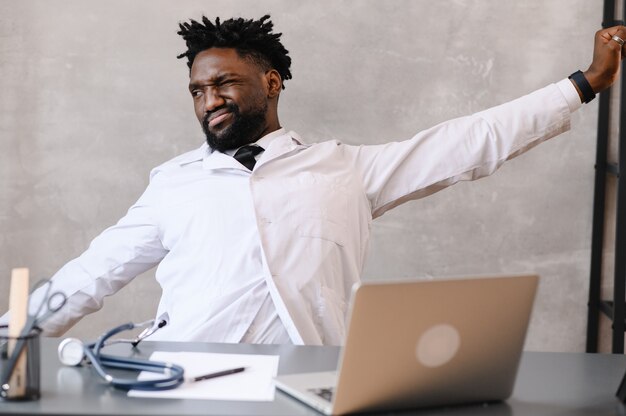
[{"x": 212, "y": 100}]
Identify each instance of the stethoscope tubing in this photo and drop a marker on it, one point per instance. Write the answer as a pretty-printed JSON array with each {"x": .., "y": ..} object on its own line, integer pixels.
[{"x": 174, "y": 373}]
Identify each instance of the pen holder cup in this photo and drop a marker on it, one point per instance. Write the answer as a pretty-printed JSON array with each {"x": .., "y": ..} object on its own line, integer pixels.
[{"x": 24, "y": 384}]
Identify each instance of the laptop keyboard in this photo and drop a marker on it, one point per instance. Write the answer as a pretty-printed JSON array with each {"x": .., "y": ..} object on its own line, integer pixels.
[{"x": 324, "y": 393}]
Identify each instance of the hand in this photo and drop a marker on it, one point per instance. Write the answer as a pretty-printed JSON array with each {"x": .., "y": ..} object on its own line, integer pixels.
[{"x": 607, "y": 56}]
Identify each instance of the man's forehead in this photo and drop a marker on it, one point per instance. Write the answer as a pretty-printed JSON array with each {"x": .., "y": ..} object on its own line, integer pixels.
[{"x": 217, "y": 61}]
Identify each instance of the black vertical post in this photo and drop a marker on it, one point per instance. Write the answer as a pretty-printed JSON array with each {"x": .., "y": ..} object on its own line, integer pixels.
[
  {"x": 597, "y": 236},
  {"x": 619, "y": 285}
]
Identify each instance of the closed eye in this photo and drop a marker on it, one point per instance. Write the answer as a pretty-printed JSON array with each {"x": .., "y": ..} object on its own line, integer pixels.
[{"x": 227, "y": 83}]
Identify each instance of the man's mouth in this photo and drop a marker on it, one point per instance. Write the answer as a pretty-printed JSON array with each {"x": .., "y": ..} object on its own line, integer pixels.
[{"x": 218, "y": 117}]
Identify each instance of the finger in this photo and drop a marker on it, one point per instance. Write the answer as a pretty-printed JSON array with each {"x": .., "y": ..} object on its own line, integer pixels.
[
  {"x": 611, "y": 38},
  {"x": 619, "y": 31},
  {"x": 613, "y": 30}
]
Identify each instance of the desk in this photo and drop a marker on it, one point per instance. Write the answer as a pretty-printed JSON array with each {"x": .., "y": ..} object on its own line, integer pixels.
[{"x": 548, "y": 384}]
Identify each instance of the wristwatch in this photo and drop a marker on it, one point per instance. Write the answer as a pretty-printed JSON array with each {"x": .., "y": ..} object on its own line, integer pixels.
[{"x": 583, "y": 85}]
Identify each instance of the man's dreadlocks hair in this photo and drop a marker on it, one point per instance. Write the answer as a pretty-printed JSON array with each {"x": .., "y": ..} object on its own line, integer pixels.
[{"x": 250, "y": 38}]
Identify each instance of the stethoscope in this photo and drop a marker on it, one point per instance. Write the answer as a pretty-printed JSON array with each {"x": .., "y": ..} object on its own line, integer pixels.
[{"x": 74, "y": 352}]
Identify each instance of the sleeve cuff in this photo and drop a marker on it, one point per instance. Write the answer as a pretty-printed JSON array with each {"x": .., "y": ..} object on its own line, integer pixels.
[{"x": 570, "y": 94}]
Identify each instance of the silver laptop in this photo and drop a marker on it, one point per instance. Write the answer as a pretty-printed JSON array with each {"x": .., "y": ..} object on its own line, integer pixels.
[{"x": 424, "y": 343}]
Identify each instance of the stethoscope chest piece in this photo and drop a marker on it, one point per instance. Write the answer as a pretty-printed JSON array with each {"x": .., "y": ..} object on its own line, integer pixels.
[{"x": 71, "y": 352}]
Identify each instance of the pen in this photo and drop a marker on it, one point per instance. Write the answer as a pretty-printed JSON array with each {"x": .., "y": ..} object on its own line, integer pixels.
[{"x": 219, "y": 374}]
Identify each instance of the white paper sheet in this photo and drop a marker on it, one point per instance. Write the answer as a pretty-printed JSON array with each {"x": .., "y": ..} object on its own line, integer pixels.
[{"x": 255, "y": 383}]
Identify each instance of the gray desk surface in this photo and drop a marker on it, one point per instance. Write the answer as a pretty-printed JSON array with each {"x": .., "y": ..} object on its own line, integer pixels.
[{"x": 547, "y": 384}]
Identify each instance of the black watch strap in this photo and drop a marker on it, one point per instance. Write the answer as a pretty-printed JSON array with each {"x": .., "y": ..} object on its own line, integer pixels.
[{"x": 583, "y": 85}]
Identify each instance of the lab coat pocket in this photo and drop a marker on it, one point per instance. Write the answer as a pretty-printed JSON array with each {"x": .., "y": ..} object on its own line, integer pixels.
[
  {"x": 320, "y": 228},
  {"x": 318, "y": 207}
]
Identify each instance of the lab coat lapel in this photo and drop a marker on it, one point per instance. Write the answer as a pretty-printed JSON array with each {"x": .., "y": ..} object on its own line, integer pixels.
[{"x": 280, "y": 146}]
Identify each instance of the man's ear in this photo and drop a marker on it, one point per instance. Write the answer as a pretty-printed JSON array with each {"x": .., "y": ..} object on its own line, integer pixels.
[{"x": 274, "y": 83}]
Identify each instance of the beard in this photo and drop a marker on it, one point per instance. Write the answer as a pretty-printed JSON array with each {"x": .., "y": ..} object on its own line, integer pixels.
[{"x": 244, "y": 129}]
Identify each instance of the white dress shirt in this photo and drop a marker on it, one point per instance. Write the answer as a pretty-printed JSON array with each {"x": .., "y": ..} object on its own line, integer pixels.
[{"x": 297, "y": 226}]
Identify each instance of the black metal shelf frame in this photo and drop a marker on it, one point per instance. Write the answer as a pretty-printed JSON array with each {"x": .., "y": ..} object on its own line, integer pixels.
[{"x": 616, "y": 308}]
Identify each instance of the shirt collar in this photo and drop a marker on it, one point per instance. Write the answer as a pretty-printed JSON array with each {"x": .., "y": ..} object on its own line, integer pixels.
[
  {"x": 205, "y": 151},
  {"x": 264, "y": 141},
  {"x": 276, "y": 144}
]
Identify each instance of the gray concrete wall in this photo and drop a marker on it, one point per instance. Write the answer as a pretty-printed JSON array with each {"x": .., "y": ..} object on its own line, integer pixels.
[{"x": 92, "y": 97}]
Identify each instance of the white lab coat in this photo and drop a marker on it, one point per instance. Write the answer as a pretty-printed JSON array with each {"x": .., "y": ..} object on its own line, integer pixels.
[{"x": 314, "y": 204}]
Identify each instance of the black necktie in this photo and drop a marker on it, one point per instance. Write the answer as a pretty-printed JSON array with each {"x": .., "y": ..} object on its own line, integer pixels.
[{"x": 245, "y": 155}]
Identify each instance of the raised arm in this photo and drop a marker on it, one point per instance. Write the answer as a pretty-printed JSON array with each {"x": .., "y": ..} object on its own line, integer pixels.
[{"x": 471, "y": 147}]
